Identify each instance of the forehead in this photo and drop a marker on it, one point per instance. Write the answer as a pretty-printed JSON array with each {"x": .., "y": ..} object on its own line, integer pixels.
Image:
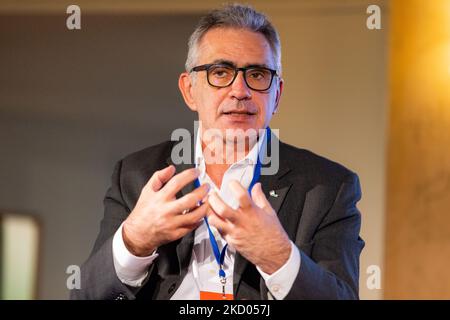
[{"x": 241, "y": 46}]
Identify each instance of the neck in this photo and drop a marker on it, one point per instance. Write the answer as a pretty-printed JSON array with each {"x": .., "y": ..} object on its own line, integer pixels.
[
  {"x": 216, "y": 172},
  {"x": 219, "y": 158},
  {"x": 220, "y": 153}
]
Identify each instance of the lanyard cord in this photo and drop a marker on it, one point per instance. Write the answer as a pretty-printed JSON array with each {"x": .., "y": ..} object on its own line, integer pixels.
[{"x": 220, "y": 255}]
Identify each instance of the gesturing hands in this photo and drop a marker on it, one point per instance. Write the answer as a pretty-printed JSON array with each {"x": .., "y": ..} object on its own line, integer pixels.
[
  {"x": 158, "y": 216},
  {"x": 253, "y": 229}
]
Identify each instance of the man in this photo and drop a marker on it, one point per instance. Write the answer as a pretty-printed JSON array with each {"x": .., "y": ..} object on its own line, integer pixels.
[{"x": 219, "y": 230}]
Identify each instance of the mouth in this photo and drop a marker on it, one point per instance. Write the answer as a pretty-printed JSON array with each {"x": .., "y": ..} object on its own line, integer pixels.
[
  {"x": 239, "y": 113},
  {"x": 240, "y": 116}
]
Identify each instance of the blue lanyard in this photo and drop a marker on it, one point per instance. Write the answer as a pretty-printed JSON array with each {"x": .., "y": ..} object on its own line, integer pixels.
[{"x": 220, "y": 255}]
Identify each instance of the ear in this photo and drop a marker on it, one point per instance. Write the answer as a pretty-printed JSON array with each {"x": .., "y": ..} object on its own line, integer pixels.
[
  {"x": 278, "y": 96},
  {"x": 185, "y": 84}
]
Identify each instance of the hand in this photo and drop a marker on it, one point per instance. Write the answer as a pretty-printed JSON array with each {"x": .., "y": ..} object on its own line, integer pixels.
[
  {"x": 253, "y": 228},
  {"x": 158, "y": 216}
]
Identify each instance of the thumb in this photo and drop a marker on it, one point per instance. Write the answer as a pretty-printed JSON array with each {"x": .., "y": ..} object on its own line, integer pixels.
[
  {"x": 160, "y": 177},
  {"x": 258, "y": 196}
]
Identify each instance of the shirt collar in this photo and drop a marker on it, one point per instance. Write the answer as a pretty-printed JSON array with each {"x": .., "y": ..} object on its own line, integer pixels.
[{"x": 250, "y": 159}]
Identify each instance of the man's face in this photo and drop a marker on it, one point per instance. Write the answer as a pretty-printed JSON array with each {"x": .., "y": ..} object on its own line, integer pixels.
[{"x": 236, "y": 106}]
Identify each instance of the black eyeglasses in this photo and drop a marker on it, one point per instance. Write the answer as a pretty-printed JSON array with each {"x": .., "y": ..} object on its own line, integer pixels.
[{"x": 222, "y": 75}]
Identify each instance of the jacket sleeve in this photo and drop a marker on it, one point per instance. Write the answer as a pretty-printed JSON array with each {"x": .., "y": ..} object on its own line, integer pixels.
[
  {"x": 98, "y": 275},
  {"x": 330, "y": 270}
]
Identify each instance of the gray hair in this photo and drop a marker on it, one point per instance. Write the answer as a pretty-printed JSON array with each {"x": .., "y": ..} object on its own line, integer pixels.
[{"x": 234, "y": 16}]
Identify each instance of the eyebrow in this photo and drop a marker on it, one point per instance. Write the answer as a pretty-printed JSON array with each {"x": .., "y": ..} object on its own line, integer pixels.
[{"x": 232, "y": 64}]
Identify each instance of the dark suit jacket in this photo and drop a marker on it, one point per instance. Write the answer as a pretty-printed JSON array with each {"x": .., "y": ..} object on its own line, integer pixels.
[{"x": 316, "y": 205}]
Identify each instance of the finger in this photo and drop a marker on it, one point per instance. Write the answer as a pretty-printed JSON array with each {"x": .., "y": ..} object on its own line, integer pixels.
[
  {"x": 192, "y": 217},
  {"x": 258, "y": 196},
  {"x": 190, "y": 200},
  {"x": 160, "y": 177},
  {"x": 179, "y": 181},
  {"x": 240, "y": 194},
  {"x": 217, "y": 222},
  {"x": 182, "y": 231},
  {"x": 221, "y": 208}
]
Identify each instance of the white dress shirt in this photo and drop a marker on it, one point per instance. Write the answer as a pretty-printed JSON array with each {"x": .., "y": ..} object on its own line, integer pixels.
[{"x": 203, "y": 269}]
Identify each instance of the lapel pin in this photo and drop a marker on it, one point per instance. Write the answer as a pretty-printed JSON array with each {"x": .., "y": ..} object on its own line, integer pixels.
[{"x": 273, "y": 194}]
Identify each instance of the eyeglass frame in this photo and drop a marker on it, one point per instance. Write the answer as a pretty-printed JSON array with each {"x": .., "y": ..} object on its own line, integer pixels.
[{"x": 206, "y": 67}]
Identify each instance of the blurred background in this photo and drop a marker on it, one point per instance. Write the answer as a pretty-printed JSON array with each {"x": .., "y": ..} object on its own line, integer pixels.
[{"x": 73, "y": 102}]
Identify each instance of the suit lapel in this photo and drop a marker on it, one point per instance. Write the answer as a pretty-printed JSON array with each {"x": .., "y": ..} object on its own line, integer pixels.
[{"x": 185, "y": 245}]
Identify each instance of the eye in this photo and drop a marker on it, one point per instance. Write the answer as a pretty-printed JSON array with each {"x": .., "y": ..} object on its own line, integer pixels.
[
  {"x": 221, "y": 72},
  {"x": 258, "y": 74}
]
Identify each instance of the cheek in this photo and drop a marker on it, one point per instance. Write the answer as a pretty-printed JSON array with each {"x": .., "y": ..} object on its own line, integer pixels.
[
  {"x": 208, "y": 104},
  {"x": 212, "y": 99},
  {"x": 266, "y": 108}
]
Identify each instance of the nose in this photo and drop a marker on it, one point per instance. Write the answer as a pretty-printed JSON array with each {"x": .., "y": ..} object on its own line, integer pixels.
[{"x": 239, "y": 89}]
